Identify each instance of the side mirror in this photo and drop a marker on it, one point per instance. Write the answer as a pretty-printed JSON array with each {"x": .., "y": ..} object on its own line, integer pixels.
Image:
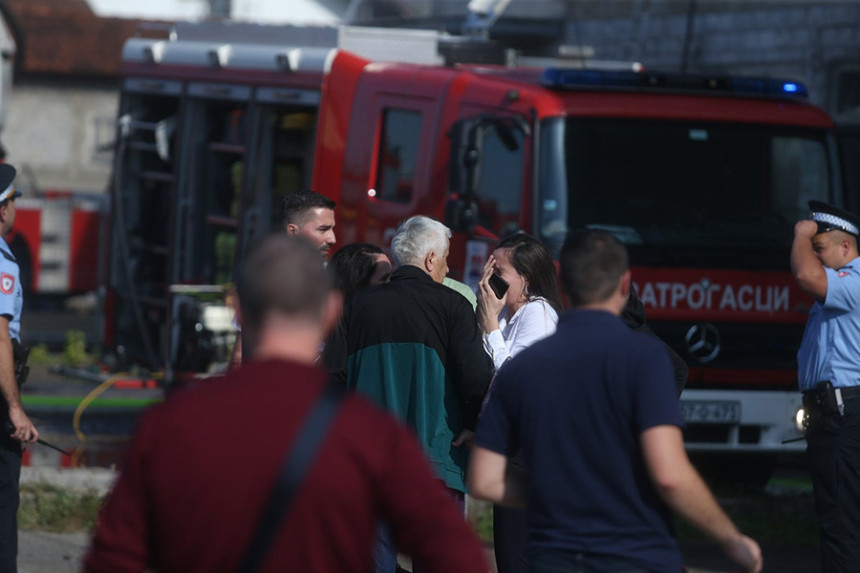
[
  {"x": 461, "y": 214},
  {"x": 466, "y": 162},
  {"x": 506, "y": 128},
  {"x": 467, "y": 142}
]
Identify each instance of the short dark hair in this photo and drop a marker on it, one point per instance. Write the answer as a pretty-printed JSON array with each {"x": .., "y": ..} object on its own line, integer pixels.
[
  {"x": 592, "y": 263},
  {"x": 281, "y": 275},
  {"x": 295, "y": 205},
  {"x": 353, "y": 267},
  {"x": 531, "y": 259}
]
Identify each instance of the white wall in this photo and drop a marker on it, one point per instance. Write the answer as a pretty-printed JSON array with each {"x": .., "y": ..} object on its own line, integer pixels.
[
  {"x": 260, "y": 11},
  {"x": 279, "y": 11},
  {"x": 61, "y": 135},
  {"x": 151, "y": 9}
]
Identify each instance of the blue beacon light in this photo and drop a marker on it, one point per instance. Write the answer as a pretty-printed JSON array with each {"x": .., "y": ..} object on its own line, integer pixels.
[{"x": 789, "y": 88}]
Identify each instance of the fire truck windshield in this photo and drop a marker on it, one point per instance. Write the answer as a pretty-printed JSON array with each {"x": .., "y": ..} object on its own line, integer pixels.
[{"x": 682, "y": 193}]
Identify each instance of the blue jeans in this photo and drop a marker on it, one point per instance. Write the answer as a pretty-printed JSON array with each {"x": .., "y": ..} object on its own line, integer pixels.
[
  {"x": 560, "y": 561},
  {"x": 385, "y": 552}
]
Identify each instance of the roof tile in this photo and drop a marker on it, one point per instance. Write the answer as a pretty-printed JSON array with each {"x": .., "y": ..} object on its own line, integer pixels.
[{"x": 66, "y": 37}]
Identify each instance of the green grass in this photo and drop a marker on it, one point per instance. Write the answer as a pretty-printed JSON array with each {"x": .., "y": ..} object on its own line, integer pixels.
[
  {"x": 480, "y": 516},
  {"x": 46, "y": 507},
  {"x": 74, "y": 353},
  {"x": 100, "y": 402},
  {"x": 41, "y": 356}
]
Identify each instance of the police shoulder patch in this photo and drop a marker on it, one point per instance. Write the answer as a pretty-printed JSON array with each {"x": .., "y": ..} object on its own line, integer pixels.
[{"x": 7, "y": 283}]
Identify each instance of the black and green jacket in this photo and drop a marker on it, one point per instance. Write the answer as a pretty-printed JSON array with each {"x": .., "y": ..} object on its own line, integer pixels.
[{"x": 413, "y": 346}]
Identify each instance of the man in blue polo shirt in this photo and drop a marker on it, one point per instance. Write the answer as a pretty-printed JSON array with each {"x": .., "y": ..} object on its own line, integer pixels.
[
  {"x": 824, "y": 260},
  {"x": 594, "y": 410}
]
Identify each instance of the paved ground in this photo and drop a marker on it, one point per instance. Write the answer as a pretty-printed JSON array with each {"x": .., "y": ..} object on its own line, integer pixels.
[{"x": 40, "y": 552}]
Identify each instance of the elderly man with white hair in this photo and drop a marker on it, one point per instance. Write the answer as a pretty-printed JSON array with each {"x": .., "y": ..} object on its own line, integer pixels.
[{"x": 413, "y": 346}]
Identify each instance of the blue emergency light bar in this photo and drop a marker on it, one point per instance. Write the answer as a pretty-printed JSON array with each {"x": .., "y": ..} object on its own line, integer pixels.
[{"x": 609, "y": 80}]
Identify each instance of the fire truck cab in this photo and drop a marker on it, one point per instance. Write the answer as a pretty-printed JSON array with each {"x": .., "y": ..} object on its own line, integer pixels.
[{"x": 702, "y": 177}]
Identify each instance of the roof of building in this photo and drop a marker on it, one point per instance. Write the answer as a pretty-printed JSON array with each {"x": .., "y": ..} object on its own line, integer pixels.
[{"x": 65, "y": 37}]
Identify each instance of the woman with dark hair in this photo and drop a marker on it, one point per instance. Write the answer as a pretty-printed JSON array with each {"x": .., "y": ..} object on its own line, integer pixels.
[
  {"x": 358, "y": 266},
  {"x": 528, "y": 310},
  {"x": 525, "y": 313}
]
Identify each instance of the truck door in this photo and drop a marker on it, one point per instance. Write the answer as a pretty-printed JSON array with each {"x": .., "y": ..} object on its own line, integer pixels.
[
  {"x": 489, "y": 186},
  {"x": 386, "y": 167}
]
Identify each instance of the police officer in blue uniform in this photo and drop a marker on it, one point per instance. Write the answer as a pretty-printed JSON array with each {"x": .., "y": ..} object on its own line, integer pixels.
[
  {"x": 15, "y": 426},
  {"x": 825, "y": 263}
]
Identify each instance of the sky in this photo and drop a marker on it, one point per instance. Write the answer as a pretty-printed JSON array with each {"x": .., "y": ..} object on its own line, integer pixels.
[{"x": 272, "y": 11}]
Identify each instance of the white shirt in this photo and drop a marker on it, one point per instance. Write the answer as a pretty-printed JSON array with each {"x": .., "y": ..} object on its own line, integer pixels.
[{"x": 533, "y": 321}]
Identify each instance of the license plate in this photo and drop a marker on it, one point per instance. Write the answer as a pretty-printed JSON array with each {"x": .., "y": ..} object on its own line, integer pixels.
[{"x": 711, "y": 412}]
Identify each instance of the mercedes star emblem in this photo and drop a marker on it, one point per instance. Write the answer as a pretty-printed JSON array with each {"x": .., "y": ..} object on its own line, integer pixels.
[{"x": 703, "y": 342}]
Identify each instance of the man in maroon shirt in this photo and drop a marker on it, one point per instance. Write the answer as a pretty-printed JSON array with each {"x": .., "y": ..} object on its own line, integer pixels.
[{"x": 202, "y": 465}]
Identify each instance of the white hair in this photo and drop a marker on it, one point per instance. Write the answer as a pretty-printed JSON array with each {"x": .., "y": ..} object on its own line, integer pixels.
[{"x": 416, "y": 237}]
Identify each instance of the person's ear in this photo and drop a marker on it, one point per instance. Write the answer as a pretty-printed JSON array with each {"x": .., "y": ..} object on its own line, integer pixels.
[
  {"x": 430, "y": 262},
  {"x": 292, "y": 229},
  {"x": 624, "y": 284}
]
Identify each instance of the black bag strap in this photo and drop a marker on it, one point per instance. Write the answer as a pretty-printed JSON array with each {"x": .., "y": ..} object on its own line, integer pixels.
[{"x": 293, "y": 469}]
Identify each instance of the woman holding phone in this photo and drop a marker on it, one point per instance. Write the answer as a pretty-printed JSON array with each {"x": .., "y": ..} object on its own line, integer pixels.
[
  {"x": 518, "y": 300},
  {"x": 518, "y": 304}
]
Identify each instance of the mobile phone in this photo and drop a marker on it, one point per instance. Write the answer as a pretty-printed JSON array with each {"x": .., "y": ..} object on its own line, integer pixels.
[{"x": 499, "y": 285}]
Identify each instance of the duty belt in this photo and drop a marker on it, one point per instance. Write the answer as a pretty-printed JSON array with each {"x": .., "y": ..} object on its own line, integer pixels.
[
  {"x": 828, "y": 399},
  {"x": 850, "y": 392}
]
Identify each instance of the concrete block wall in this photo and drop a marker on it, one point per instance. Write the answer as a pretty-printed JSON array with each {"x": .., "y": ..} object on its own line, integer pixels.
[{"x": 807, "y": 41}]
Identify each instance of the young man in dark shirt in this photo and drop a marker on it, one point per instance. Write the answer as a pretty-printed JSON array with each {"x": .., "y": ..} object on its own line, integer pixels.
[{"x": 594, "y": 410}]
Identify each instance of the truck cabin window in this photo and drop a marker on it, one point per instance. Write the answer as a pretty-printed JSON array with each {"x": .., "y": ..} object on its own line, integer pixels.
[
  {"x": 499, "y": 192},
  {"x": 401, "y": 138},
  {"x": 683, "y": 193}
]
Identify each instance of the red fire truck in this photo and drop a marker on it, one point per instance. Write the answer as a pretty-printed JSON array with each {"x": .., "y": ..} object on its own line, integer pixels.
[
  {"x": 56, "y": 241},
  {"x": 702, "y": 177}
]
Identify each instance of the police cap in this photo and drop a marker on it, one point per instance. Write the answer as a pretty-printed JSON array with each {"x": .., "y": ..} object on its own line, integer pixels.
[
  {"x": 829, "y": 218},
  {"x": 7, "y": 176}
]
